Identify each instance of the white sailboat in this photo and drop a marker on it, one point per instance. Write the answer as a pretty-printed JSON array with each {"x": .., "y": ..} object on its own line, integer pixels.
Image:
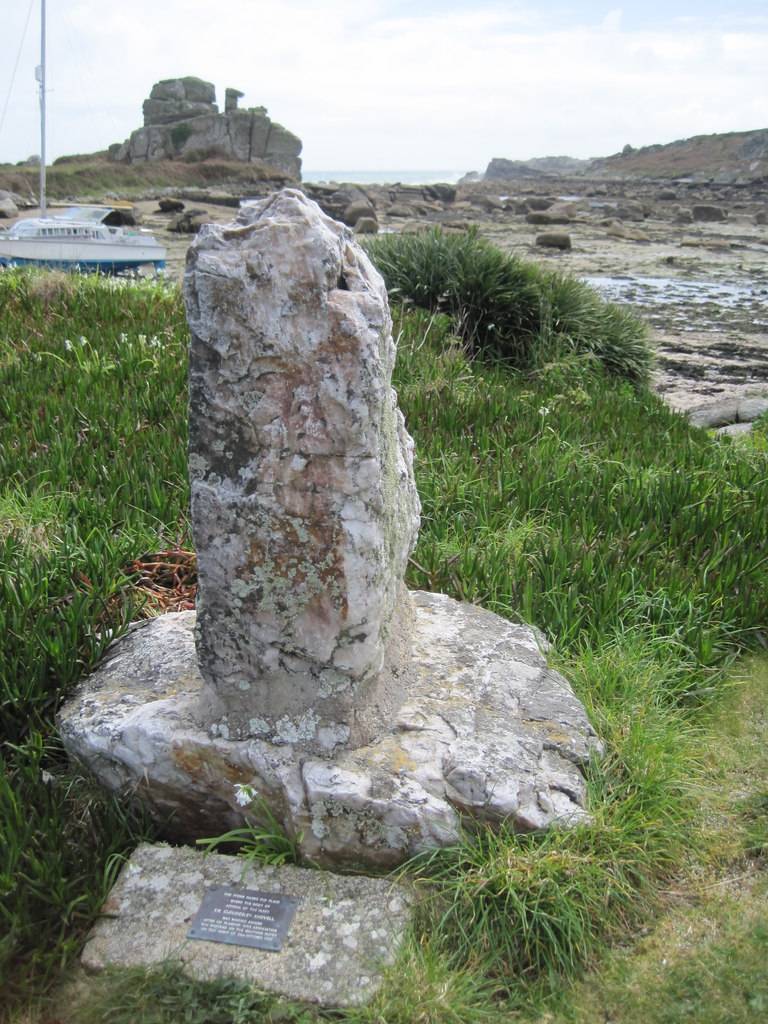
[{"x": 86, "y": 238}]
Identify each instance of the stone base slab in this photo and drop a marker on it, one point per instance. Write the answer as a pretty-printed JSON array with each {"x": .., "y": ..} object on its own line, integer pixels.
[
  {"x": 487, "y": 731},
  {"x": 346, "y": 931}
]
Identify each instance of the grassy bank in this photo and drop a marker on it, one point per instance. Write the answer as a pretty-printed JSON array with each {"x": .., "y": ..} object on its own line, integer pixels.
[
  {"x": 565, "y": 497},
  {"x": 94, "y": 177}
]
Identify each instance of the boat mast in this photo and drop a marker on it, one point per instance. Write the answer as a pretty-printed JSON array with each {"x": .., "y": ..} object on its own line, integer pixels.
[{"x": 40, "y": 76}]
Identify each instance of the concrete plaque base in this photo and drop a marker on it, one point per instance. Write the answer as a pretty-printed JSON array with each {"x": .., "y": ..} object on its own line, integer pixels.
[{"x": 345, "y": 932}]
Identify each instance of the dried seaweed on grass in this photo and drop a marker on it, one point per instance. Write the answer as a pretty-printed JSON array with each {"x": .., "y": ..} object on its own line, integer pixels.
[{"x": 166, "y": 579}]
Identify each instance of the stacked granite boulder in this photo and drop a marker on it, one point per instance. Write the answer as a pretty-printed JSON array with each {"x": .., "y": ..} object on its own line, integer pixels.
[{"x": 182, "y": 122}]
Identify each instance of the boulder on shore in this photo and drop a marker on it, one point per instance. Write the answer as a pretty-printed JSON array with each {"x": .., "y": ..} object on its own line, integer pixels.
[
  {"x": 554, "y": 240},
  {"x": 189, "y": 222},
  {"x": 7, "y": 206},
  {"x": 705, "y": 213}
]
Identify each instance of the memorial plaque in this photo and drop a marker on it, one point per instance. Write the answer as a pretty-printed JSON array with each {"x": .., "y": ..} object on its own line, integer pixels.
[{"x": 243, "y": 917}]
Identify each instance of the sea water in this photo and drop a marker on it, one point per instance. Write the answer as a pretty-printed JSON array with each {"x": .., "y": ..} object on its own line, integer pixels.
[{"x": 427, "y": 177}]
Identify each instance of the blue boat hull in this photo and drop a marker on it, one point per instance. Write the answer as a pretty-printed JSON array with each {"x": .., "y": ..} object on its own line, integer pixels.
[{"x": 86, "y": 267}]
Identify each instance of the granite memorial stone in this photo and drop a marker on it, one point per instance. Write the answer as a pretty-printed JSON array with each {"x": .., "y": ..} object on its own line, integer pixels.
[{"x": 367, "y": 720}]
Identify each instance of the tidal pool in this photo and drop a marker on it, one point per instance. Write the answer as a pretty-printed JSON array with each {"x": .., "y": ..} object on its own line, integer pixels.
[{"x": 690, "y": 305}]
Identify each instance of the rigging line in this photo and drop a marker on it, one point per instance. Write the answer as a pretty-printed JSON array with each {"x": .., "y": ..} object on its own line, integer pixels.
[{"x": 16, "y": 65}]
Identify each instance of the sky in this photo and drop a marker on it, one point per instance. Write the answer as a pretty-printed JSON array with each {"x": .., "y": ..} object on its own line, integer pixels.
[{"x": 389, "y": 84}]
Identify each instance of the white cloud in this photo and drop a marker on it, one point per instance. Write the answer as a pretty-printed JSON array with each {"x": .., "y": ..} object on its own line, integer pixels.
[{"x": 440, "y": 88}]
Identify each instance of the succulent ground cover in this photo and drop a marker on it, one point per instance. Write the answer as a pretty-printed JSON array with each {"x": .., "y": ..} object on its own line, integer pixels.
[{"x": 560, "y": 494}]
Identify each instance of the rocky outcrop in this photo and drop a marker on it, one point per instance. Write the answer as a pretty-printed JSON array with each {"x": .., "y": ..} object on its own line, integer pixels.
[
  {"x": 727, "y": 158},
  {"x": 500, "y": 169},
  {"x": 182, "y": 122}
]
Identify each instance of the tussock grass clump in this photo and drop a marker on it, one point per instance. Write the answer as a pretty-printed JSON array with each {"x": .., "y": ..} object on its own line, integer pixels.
[
  {"x": 530, "y": 907},
  {"x": 509, "y": 308}
]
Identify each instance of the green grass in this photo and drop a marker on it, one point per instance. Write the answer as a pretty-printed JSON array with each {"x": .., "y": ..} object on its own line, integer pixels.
[
  {"x": 167, "y": 996},
  {"x": 508, "y": 307},
  {"x": 421, "y": 989},
  {"x": 584, "y": 506},
  {"x": 564, "y": 497},
  {"x": 703, "y": 959}
]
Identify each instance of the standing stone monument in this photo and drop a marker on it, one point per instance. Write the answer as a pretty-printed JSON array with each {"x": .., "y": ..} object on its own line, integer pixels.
[
  {"x": 367, "y": 720},
  {"x": 304, "y": 507}
]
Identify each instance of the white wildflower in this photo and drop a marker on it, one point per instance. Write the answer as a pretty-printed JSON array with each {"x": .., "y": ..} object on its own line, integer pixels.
[
  {"x": 245, "y": 794},
  {"x": 67, "y": 344},
  {"x": 83, "y": 340},
  {"x": 544, "y": 410}
]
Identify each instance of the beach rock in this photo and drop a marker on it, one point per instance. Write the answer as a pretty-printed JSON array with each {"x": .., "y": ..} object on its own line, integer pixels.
[
  {"x": 20, "y": 202},
  {"x": 704, "y": 212},
  {"x": 734, "y": 429},
  {"x": 537, "y": 204},
  {"x": 399, "y": 210},
  {"x": 443, "y": 193},
  {"x": 336, "y": 199},
  {"x": 546, "y": 217},
  {"x": 491, "y": 203},
  {"x": 536, "y": 217},
  {"x": 726, "y": 411},
  {"x": 189, "y": 222},
  {"x": 629, "y": 211},
  {"x": 357, "y": 209},
  {"x": 168, "y": 205},
  {"x": 366, "y": 226},
  {"x": 554, "y": 240},
  {"x": 300, "y": 459},
  {"x": 631, "y": 234},
  {"x": 414, "y": 227},
  {"x": 540, "y": 167},
  {"x": 7, "y": 207}
]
